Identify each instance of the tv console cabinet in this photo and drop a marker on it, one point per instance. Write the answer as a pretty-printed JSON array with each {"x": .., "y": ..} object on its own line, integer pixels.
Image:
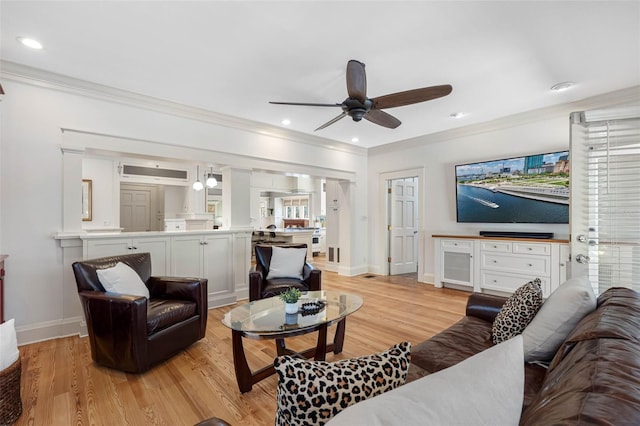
[{"x": 499, "y": 265}]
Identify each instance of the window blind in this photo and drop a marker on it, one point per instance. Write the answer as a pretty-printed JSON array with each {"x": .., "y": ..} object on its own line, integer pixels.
[{"x": 611, "y": 177}]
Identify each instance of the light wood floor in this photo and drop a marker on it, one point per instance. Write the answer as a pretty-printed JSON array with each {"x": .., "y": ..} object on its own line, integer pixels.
[{"x": 62, "y": 386}]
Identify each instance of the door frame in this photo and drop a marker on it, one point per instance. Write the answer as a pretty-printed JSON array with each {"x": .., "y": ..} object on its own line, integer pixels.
[{"x": 383, "y": 234}]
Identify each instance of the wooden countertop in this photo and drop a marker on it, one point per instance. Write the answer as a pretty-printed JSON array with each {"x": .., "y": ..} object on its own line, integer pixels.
[{"x": 480, "y": 237}]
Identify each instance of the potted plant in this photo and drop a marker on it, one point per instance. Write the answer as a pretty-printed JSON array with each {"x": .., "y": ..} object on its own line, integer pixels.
[{"x": 290, "y": 298}]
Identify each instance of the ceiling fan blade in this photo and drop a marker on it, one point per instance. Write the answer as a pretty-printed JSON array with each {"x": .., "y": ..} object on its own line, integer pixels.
[
  {"x": 333, "y": 120},
  {"x": 356, "y": 80},
  {"x": 382, "y": 118},
  {"x": 411, "y": 96},
  {"x": 305, "y": 104}
]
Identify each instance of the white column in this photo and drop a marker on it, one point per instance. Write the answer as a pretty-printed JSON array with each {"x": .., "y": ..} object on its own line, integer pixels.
[
  {"x": 236, "y": 198},
  {"x": 72, "y": 189}
]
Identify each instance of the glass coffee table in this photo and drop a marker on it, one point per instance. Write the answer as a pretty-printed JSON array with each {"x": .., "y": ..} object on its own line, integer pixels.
[{"x": 266, "y": 319}]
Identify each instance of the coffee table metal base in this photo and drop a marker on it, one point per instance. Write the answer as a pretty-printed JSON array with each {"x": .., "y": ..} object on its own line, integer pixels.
[{"x": 246, "y": 378}]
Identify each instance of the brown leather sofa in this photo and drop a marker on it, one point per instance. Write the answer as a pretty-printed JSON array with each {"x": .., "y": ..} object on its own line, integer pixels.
[
  {"x": 132, "y": 333},
  {"x": 260, "y": 287},
  {"x": 594, "y": 377}
]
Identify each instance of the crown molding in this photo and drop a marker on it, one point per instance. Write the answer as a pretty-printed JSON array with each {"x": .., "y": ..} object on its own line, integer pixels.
[
  {"x": 62, "y": 83},
  {"x": 630, "y": 95}
]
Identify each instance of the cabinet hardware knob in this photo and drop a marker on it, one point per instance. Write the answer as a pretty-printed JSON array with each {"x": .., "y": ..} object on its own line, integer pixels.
[
  {"x": 495, "y": 261},
  {"x": 530, "y": 265}
]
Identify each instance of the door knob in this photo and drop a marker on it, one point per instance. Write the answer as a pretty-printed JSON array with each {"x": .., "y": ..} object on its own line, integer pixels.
[{"x": 581, "y": 258}]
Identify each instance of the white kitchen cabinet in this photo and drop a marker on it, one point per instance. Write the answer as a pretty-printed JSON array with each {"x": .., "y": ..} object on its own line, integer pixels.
[
  {"x": 322, "y": 240},
  {"x": 206, "y": 256},
  {"x": 158, "y": 247}
]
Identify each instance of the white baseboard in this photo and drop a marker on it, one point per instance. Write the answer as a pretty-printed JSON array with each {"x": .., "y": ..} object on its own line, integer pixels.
[
  {"x": 427, "y": 278},
  {"x": 48, "y": 330},
  {"x": 216, "y": 302},
  {"x": 352, "y": 271}
]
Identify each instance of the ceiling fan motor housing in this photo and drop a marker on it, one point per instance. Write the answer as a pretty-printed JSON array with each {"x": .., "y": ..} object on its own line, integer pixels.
[{"x": 356, "y": 109}]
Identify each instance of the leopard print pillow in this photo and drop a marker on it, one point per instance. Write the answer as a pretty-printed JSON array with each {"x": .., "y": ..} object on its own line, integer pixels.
[
  {"x": 312, "y": 392},
  {"x": 517, "y": 312}
]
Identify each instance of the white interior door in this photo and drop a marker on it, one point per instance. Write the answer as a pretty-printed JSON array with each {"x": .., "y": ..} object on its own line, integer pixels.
[
  {"x": 135, "y": 206},
  {"x": 403, "y": 221}
]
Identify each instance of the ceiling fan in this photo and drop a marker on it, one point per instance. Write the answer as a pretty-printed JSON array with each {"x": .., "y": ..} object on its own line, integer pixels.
[{"x": 359, "y": 106}]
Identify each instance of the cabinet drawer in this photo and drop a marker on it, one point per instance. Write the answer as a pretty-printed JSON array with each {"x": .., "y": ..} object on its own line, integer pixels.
[
  {"x": 533, "y": 265},
  {"x": 497, "y": 246},
  {"x": 526, "y": 248},
  {"x": 457, "y": 244},
  {"x": 509, "y": 283}
]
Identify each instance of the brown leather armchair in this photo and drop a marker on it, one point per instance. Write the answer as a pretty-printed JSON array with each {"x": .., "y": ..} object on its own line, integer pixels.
[
  {"x": 132, "y": 333},
  {"x": 260, "y": 287}
]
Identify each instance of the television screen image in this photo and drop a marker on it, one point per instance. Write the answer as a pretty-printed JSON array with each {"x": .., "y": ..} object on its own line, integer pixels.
[{"x": 528, "y": 189}]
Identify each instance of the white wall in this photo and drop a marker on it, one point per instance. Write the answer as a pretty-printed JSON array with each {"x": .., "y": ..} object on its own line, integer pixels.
[
  {"x": 31, "y": 175},
  {"x": 175, "y": 201}
]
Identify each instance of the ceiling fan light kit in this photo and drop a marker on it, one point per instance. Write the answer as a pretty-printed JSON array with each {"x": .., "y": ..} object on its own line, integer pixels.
[{"x": 359, "y": 106}]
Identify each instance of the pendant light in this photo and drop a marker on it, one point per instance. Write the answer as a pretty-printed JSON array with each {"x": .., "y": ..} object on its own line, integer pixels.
[
  {"x": 197, "y": 185},
  {"x": 211, "y": 180}
]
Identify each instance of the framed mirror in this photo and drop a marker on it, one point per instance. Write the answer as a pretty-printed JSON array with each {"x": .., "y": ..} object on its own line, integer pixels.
[{"x": 86, "y": 200}]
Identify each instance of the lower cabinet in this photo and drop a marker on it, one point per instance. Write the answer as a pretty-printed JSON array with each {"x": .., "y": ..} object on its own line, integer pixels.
[
  {"x": 455, "y": 261},
  {"x": 222, "y": 258},
  {"x": 206, "y": 256},
  {"x": 500, "y": 265}
]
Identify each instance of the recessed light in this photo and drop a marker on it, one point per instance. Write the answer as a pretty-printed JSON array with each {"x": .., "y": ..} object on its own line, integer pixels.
[
  {"x": 30, "y": 42},
  {"x": 561, "y": 87},
  {"x": 286, "y": 121},
  {"x": 457, "y": 115},
  {"x": 354, "y": 139}
]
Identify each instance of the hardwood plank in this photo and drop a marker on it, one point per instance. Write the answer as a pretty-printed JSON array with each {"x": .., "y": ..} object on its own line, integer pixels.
[{"x": 61, "y": 384}]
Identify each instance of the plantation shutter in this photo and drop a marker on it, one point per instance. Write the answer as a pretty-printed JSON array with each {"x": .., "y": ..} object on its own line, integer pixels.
[{"x": 605, "y": 197}]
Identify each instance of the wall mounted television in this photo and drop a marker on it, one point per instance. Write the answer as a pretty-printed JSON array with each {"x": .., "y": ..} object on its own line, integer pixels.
[{"x": 527, "y": 189}]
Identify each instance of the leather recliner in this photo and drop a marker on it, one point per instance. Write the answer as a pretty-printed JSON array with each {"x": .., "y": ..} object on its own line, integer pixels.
[
  {"x": 132, "y": 333},
  {"x": 260, "y": 287}
]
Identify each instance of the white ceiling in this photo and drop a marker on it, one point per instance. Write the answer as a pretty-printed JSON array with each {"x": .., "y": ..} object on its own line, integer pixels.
[{"x": 232, "y": 57}]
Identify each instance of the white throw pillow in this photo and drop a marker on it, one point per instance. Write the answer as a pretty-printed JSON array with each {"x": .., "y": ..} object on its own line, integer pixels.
[
  {"x": 287, "y": 262},
  {"x": 8, "y": 344},
  {"x": 559, "y": 314},
  {"x": 486, "y": 389},
  {"x": 122, "y": 279}
]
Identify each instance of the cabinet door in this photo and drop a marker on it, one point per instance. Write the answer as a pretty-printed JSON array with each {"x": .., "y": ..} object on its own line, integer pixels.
[
  {"x": 106, "y": 247},
  {"x": 218, "y": 264},
  {"x": 305, "y": 239},
  {"x": 186, "y": 256},
  {"x": 457, "y": 261},
  {"x": 159, "y": 248}
]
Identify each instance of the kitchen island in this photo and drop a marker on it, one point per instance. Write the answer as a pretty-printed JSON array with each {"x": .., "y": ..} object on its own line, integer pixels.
[{"x": 285, "y": 236}]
